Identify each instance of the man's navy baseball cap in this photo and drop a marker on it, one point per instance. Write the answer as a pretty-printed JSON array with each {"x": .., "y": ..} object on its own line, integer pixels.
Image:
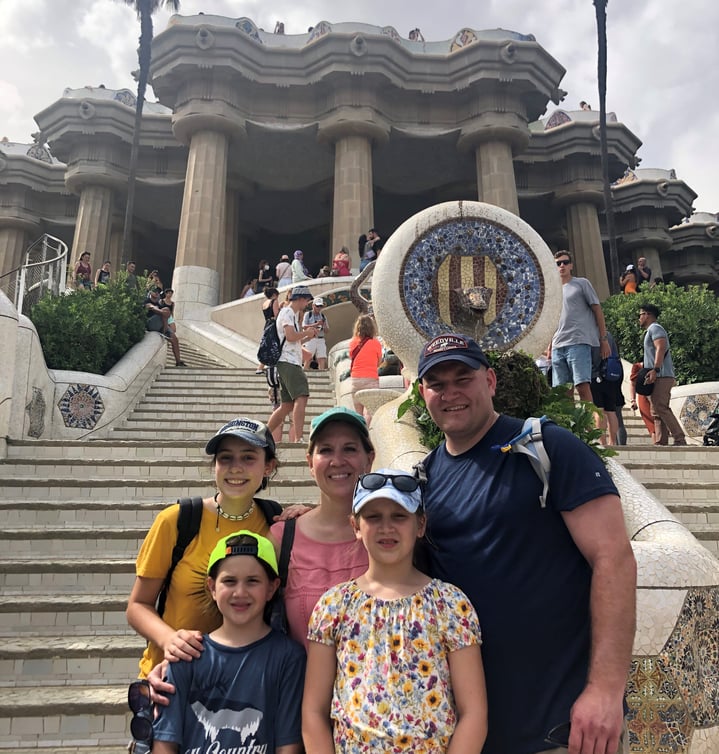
[{"x": 451, "y": 347}]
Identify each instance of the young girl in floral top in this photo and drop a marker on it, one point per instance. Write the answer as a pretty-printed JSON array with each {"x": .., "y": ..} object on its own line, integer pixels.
[{"x": 394, "y": 662}]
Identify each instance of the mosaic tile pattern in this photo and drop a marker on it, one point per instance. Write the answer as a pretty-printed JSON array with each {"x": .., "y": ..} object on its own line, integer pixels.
[
  {"x": 81, "y": 406},
  {"x": 483, "y": 254},
  {"x": 320, "y": 30},
  {"x": 696, "y": 413},
  {"x": 36, "y": 413},
  {"x": 126, "y": 97},
  {"x": 691, "y": 655},
  {"x": 390, "y": 31},
  {"x": 247, "y": 26},
  {"x": 557, "y": 118},
  {"x": 658, "y": 721},
  {"x": 461, "y": 39}
]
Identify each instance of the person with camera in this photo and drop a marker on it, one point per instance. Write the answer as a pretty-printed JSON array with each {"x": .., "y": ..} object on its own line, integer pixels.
[{"x": 316, "y": 348}]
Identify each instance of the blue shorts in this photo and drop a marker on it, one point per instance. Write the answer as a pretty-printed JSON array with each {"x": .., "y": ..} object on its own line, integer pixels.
[{"x": 572, "y": 364}]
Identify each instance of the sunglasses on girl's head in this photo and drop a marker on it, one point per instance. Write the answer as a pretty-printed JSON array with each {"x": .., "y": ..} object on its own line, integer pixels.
[
  {"x": 140, "y": 702},
  {"x": 375, "y": 481}
]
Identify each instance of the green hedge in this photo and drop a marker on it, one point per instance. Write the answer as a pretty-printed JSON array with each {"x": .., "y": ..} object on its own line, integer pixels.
[
  {"x": 689, "y": 315},
  {"x": 89, "y": 331}
]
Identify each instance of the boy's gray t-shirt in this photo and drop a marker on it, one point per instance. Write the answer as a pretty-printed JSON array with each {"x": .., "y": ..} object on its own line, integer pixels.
[{"x": 577, "y": 324}]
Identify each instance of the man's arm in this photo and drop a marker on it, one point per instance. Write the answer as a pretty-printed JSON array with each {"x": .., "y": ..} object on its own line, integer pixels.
[
  {"x": 660, "y": 351},
  {"x": 597, "y": 528},
  {"x": 604, "y": 348}
]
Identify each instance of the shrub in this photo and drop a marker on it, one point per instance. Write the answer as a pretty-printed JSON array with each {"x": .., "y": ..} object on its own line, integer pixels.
[
  {"x": 89, "y": 331},
  {"x": 522, "y": 391},
  {"x": 689, "y": 316}
]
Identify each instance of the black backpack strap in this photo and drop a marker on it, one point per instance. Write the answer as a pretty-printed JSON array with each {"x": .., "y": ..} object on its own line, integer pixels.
[
  {"x": 288, "y": 537},
  {"x": 270, "y": 509},
  {"x": 188, "y": 525}
]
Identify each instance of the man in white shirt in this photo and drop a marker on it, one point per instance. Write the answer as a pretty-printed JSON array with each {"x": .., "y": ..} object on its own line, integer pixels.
[
  {"x": 316, "y": 348},
  {"x": 294, "y": 388}
]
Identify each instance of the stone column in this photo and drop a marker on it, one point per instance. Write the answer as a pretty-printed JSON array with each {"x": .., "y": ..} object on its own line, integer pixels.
[
  {"x": 114, "y": 254},
  {"x": 92, "y": 227},
  {"x": 585, "y": 244},
  {"x": 201, "y": 237},
  {"x": 13, "y": 244},
  {"x": 353, "y": 201},
  {"x": 495, "y": 134},
  {"x": 353, "y": 204},
  {"x": 231, "y": 263},
  {"x": 495, "y": 175}
]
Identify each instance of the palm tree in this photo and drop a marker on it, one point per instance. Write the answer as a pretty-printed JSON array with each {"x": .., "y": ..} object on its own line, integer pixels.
[
  {"x": 144, "y": 10},
  {"x": 600, "y": 7}
]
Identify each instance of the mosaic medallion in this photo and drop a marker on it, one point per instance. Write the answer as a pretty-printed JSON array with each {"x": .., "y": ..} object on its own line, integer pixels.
[
  {"x": 696, "y": 413},
  {"x": 691, "y": 655},
  {"x": 484, "y": 281},
  {"x": 318, "y": 31},
  {"x": 126, "y": 97},
  {"x": 81, "y": 406},
  {"x": 558, "y": 118},
  {"x": 657, "y": 721},
  {"x": 247, "y": 25},
  {"x": 461, "y": 39}
]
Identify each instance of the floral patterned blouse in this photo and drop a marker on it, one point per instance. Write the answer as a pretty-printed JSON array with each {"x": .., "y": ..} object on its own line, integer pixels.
[{"x": 392, "y": 691}]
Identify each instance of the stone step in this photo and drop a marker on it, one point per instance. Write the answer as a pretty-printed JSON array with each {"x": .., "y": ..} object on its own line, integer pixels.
[
  {"x": 186, "y": 468},
  {"x": 28, "y": 574},
  {"x": 168, "y": 489},
  {"x": 674, "y": 492},
  {"x": 102, "y": 449},
  {"x": 70, "y": 718},
  {"x": 51, "y": 614},
  {"x": 679, "y": 473},
  {"x": 91, "y": 660},
  {"x": 199, "y": 416}
]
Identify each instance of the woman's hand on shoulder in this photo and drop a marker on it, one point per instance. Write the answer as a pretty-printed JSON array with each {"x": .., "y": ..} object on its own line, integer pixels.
[
  {"x": 183, "y": 645},
  {"x": 293, "y": 511}
]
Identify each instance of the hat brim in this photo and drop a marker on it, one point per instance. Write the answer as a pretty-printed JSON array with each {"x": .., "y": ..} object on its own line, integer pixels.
[
  {"x": 441, "y": 358},
  {"x": 214, "y": 442}
]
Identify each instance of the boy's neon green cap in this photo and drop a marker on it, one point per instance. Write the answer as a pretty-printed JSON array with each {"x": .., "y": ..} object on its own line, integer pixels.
[{"x": 262, "y": 549}]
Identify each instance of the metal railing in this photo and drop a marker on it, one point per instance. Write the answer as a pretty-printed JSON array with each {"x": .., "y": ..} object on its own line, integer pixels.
[{"x": 44, "y": 270}]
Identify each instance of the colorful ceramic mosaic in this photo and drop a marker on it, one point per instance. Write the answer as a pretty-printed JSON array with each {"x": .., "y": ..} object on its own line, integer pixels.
[
  {"x": 558, "y": 118},
  {"x": 81, "y": 406},
  {"x": 696, "y": 413},
  {"x": 126, "y": 97},
  {"x": 658, "y": 721},
  {"x": 39, "y": 152},
  {"x": 691, "y": 655},
  {"x": 462, "y": 38},
  {"x": 485, "y": 278},
  {"x": 390, "y": 31},
  {"x": 247, "y": 26},
  {"x": 320, "y": 30}
]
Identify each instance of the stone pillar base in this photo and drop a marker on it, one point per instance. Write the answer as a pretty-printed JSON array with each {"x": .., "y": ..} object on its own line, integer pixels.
[{"x": 197, "y": 290}]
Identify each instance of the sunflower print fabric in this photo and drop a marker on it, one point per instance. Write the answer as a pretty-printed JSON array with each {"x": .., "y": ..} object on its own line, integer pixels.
[{"x": 392, "y": 690}]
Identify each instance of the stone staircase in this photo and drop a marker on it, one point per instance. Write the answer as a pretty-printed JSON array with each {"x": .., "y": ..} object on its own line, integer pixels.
[
  {"x": 75, "y": 513},
  {"x": 685, "y": 480},
  {"x": 73, "y": 517}
]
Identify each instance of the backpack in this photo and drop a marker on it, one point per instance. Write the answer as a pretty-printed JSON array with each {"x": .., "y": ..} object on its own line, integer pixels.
[
  {"x": 529, "y": 442},
  {"x": 278, "y": 615},
  {"x": 189, "y": 518},
  {"x": 271, "y": 346}
]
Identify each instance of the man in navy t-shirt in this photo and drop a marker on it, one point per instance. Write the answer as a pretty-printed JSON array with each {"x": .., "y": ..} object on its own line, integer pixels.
[{"x": 554, "y": 585}]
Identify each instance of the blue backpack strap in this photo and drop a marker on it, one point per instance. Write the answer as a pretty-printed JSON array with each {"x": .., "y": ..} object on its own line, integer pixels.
[
  {"x": 189, "y": 518},
  {"x": 530, "y": 442}
]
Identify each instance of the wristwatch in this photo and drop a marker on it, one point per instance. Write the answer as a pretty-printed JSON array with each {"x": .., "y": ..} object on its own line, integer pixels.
[{"x": 657, "y": 369}]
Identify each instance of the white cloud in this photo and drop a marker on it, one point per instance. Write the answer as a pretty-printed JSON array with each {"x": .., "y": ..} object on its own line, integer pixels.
[{"x": 662, "y": 81}]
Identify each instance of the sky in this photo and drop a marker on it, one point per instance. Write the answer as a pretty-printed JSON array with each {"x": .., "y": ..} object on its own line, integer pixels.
[{"x": 663, "y": 58}]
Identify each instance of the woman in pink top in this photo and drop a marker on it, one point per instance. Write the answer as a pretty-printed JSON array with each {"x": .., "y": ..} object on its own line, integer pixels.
[
  {"x": 325, "y": 551},
  {"x": 366, "y": 355}
]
